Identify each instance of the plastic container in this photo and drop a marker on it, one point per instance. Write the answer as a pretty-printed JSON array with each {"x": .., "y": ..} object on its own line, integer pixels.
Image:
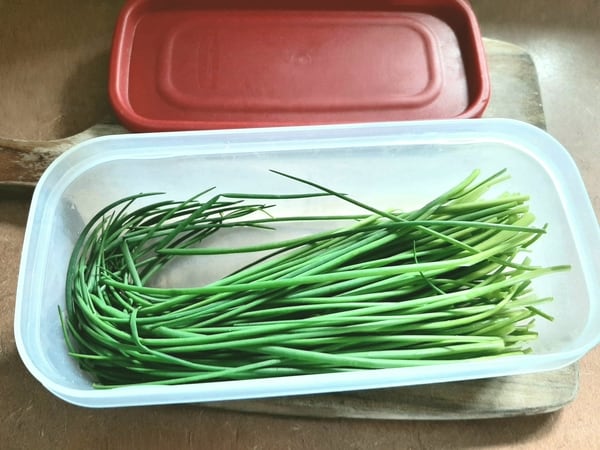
[
  {"x": 187, "y": 65},
  {"x": 387, "y": 164}
]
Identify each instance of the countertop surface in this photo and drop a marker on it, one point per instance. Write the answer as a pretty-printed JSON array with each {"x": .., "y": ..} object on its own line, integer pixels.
[{"x": 53, "y": 77}]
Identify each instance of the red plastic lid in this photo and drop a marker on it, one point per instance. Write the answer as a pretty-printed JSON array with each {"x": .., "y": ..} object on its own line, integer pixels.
[{"x": 188, "y": 64}]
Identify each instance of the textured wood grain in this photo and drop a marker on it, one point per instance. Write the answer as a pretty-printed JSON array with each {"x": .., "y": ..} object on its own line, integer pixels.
[
  {"x": 515, "y": 94},
  {"x": 515, "y": 87},
  {"x": 495, "y": 397},
  {"x": 24, "y": 161}
]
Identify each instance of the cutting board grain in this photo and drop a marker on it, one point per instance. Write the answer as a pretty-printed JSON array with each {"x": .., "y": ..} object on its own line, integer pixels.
[
  {"x": 516, "y": 95},
  {"x": 495, "y": 397},
  {"x": 22, "y": 162}
]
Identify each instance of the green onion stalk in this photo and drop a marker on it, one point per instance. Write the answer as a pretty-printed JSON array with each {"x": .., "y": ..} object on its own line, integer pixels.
[{"x": 385, "y": 289}]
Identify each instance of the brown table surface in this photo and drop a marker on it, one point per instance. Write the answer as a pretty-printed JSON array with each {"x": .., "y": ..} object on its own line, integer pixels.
[{"x": 53, "y": 60}]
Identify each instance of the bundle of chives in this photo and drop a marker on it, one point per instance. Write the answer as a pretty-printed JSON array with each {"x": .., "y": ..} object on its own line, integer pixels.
[{"x": 442, "y": 283}]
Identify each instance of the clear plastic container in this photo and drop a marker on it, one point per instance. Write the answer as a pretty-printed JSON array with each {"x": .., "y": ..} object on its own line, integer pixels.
[{"x": 387, "y": 164}]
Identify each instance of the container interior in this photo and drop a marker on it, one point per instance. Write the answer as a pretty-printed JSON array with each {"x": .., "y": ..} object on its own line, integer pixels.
[{"x": 389, "y": 168}]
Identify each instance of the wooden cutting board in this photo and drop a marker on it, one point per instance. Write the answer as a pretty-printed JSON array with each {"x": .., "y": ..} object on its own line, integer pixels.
[{"x": 515, "y": 94}]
